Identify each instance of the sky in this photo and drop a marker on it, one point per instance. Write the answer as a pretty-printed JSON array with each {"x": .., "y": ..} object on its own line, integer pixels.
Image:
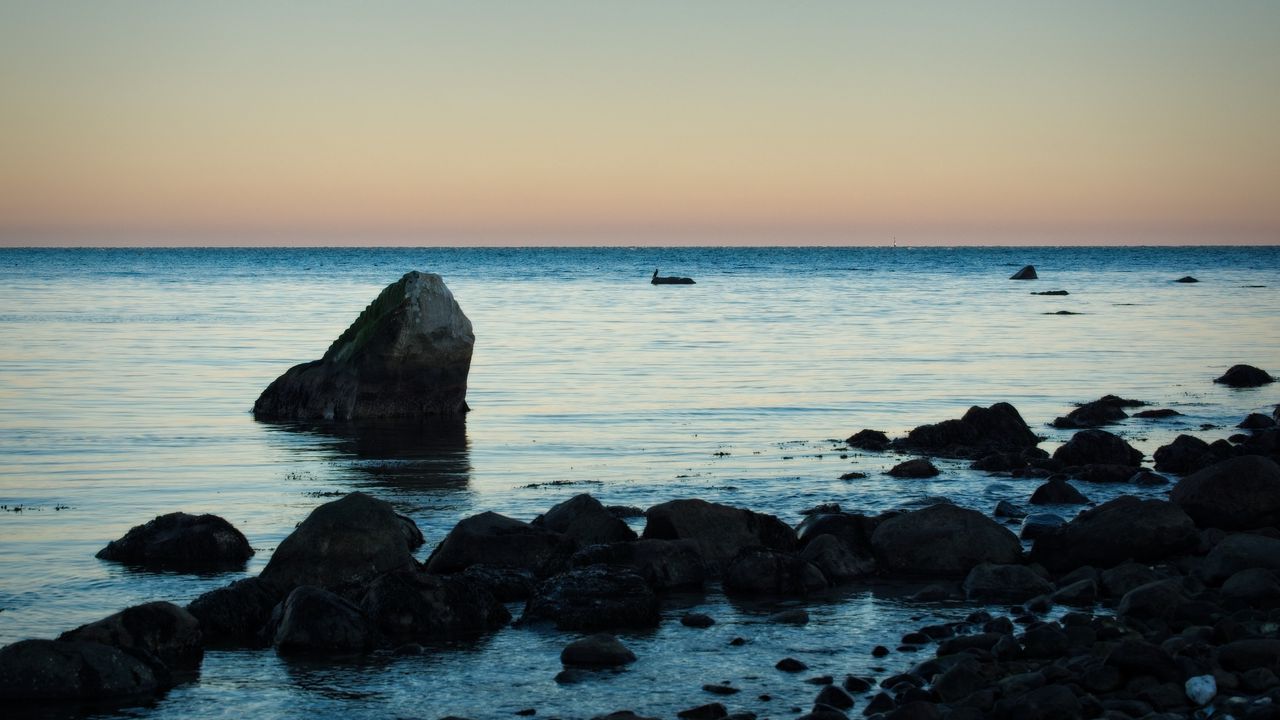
[{"x": 656, "y": 122}]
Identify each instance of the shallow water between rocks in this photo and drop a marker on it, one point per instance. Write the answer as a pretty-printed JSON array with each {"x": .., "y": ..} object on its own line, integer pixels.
[{"x": 126, "y": 379}]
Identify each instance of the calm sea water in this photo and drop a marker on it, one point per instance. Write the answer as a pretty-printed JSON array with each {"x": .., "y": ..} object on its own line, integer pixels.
[{"x": 127, "y": 376}]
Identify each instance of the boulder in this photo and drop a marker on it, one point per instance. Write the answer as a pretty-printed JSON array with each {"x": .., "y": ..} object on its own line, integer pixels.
[
  {"x": 1057, "y": 492},
  {"x": 851, "y": 528},
  {"x": 1254, "y": 586},
  {"x": 873, "y": 440},
  {"x": 915, "y": 468},
  {"x": 598, "y": 597},
  {"x": 719, "y": 531},
  {"x": 1028, "y": 272},
  {"x": 164, "y": 635},
  {"x": 980, "y": 432},
  {"x": 1006, "y": 509},
  {"x": 599, "y": 650},
  {"x": 1103, "y": 473},
  {"x": 1158, "y": 414},
  {"x": 1257, "y": 421},
  {"x": 1186, "y": 454},
  {"x": 51, "y": 671},
  {"x": 989, "y": 582},
  {"x": 233, "y": 616},
  {"x": 1242, "y": 551},
  {"x": 179, "y": 541},
  {"x": 837, "y": 560},
  {"x": 1092, "y": 414},
  {"x": 1122, "y": 529},
  {"x": 1186, "y": 279},
  {"x": 1037, "y": 524},
  {"x": 507, "y": 584},
  {"x": 942, "y": 540},
  {"x": 1244, "y": 655},
  {"x": 1237, "y": 494},
  {"x": 1155, "y": 599},
  {"x": 664, "y": 564},
  {"x": 585, "y": 521},
  {"x": 315, "y": 621},
  {"x": 761, "y": 571},
  {"x": 1119, "y": 580},
  {"x": 493, "y": 539},
  {"x": 350, "y": 540},
  {"x": 1097, "y": 446},
  {"x": 1244, "y": 376},
  {"x": 410, "y": 605},
  {"x": 406, "y": 356}
]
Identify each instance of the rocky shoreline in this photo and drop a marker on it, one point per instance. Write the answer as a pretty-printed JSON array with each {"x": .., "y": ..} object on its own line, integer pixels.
[{"x": 1172, "y": 607}]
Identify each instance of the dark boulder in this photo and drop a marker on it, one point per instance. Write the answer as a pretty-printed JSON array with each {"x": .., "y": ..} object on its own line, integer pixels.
[
  {"x": 406, "y": 356},
  {"x": 980, "y": 432},
  {"x": 1103, "y": 473},
  {"x": 1187, "y": 454},
  {"x": 1257, "y": 421},
  {"x": 350, "y": 540},
  {"x": 1119, "y": 580},
  {"x": 1186, "y": 279},
  {"x": 493, "y": 539},
  {"x": 1092, "y": 414},
  {"x": 233, "y": 616},
  {"x": 1006, "y": 509},
  {"x": 837, "y": 560},
  {"x": 1097, "y": 446},
  {"x": 873, "y": 440},
  {"x": 1237, "y": 494},
  {"x": 315, "y": 621},
  {"x": 761, "y": 571},
  {"x": 410, "y": 605},
  {"x": 506, "y": 584},
  {"x": 1241, "y": 551},
  {"x": 179, "y": 541},
  {"x": 664, "y": 564},
  {"x": 1028, "y": 272},
  {"x": 1158, "y": 414},
  {"x": 1155, "y": 599},
  {"x": 1037, "y": 524},
  {"x": 851, "y": 528},
  {"x": 915, "y": 468},
  {"x": 1122, "y": 529},
  {"x": 942, "y": 540},
  {"x": 599, "y": 650},
  {"x": 51, "y": 671},
  {"x": 1244, "y": 655},
  {"x": 585, "y": 521},
  {"x": 719, "y": 531},
  {"x": 162, "y": 634},
  {"x": 989, "y": 582},
  {"x": 598, "y": 597},
  {"x": 1057, "y": 492},
  {"x": 1254, "y": 586},
  {"x": 1245, "y": 376}
]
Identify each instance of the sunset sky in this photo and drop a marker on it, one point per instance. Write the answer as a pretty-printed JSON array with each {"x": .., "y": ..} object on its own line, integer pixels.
[{"x": 478, "y": 122}]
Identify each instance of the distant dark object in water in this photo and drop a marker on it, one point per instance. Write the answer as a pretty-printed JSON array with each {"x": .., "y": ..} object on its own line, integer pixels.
[
  {"x": 1052, "y": 292},
  {"x": 1026, "y": 273},
  {"x": 1253, "y": 286},
  {"x": 1245, "y": 376},
  {"x": 1157, "y": 414},
  {"x": 1063, "y": 312},
  {"x": 1186, "y": 279},
  {"x": 656, "y": 280}
]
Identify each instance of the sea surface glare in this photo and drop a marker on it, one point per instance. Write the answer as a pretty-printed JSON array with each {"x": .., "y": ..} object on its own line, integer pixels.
[{"x": 127, "y": 379}]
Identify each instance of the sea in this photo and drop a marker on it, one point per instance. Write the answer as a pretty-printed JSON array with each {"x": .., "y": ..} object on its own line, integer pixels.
[{"x": 127, "y": 377}]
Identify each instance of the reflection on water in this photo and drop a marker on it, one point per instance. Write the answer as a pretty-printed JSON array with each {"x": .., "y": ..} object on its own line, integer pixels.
[{"x": 398, "y": 455}]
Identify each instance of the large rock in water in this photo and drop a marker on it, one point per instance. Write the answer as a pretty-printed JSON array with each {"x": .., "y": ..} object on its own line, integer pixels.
[
  {"x": 500, "y": 541},
  {"x": 942, "y": 540},
  {"x": 55, "y": 670},
  {"x": 981, "y": 431},
  {"x": 1122, "y": 529},
  {"x": 1097, "y": 446},
  {"x": 719, "y": 531},
  {"x": 411, "y": 605},
  {"x": 353, "y": 539},
  {"x": 583, "y": 519},
  {"x": 406, "y": 356},
  {"x": 315, "y": 621},
  {"x": 1245, "y": 376},
  {"x": 1028, "y": 272},
  {"x": 1237, "y": 494},
  {"x": 160, "y": 632},
  {"x": 233, "y": 616},
  {"x": 179, "y": 541}
]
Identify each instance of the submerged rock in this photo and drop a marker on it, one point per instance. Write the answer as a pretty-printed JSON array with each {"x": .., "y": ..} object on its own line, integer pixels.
[
  {"x": 761, "y": 571},
  {"x": 915, "y": 468},
  {"x": 1057, "y": 492},
  {"x": 406, "y": 356},
  {"x": 410, "y": 605},
  {"x": 874, "y": 440},
  {"x": 990, "y": 582},
  {"x": 233, "y": 616},
  {"x": 1245, "y": 376},
  {"x": 315, "y": 621},
  {"x": 598, "y": 597},
  {"x": 179, "y": 541},
  {"x": 1094, "y": 414},
  {"x": 942, "y": 540},
  {"x": 599, "y": 650},
  {"x": 1089, "y": 447},
  {"x": 351, "y": 540}
]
